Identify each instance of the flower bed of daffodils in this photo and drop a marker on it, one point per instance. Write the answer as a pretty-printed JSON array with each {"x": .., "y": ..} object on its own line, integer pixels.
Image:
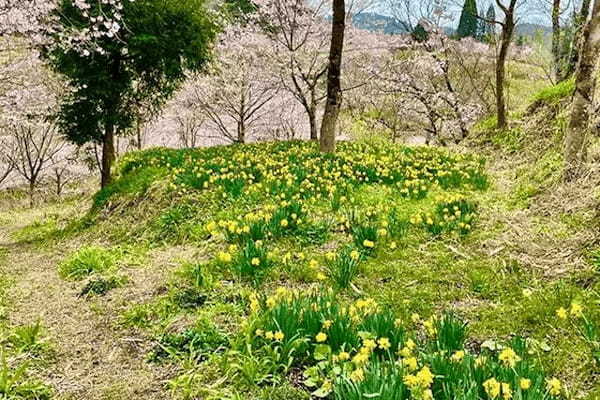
[
  {"x": 361, "y": 351},
  {"x": 284, "y": 207}
]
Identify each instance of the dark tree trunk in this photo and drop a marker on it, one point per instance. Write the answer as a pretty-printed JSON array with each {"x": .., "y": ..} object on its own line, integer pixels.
[
  {"x": 138, "y": 132},
  {"x": 576, "y": 141},
  {"x": 508, "y": 28},
  {"x": 556, "y": 59},
  {"x": 31, "y": 191},
  {"x": 334, "y": 89},
  {"x": 108, "y": 154}
]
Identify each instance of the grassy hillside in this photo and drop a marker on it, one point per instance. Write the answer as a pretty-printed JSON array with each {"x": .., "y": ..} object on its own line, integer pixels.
[{"x": 270, "y": 271}]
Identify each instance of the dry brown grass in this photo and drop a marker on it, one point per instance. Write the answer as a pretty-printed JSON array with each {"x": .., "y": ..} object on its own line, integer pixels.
[{"x": 93, "y": 357}]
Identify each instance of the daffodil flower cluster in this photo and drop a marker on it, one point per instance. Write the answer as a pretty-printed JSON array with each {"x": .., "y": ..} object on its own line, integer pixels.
[{"x": 362, "y": 346}]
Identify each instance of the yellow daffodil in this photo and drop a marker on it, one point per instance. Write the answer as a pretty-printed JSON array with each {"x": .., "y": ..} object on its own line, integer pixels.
[
  {"x": 358, "y": 375},
  {"x": 425, "y": 376},
  {"x": 524, "y": 383},
  {"x": 509, "y": 358},
  {"x": 458, "y": 356},
  {"x": 553, "y": 386},
  {"x": 384, "y": 343},
  {"x": 224, "y": 257},
  {"x": 321, "y": 337},
  {"x": 506, "y": 391},
  {"x": 492, "y": 388},
  {"x": 576, "y": 310}
]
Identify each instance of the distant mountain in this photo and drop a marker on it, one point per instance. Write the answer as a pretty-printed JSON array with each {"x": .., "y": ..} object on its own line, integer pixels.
[
  {"x": 531, "y": 30},
  {"x": 378, "y": 23},
  {"x": 381, "y": 23}
]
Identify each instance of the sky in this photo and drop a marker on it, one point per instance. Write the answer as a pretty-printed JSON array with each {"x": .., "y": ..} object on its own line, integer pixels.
[{"x": 531, "y": 11}]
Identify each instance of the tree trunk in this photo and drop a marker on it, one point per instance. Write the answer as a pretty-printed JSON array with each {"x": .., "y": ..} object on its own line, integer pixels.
[
  {"x": 58, "y": 176},
  {"x": 31, "y": 191},
  {"x": 577, "y": 39},
  {"x": 312, "y": 117},
  {"x": 576, "y": 140},
  {"x": 556, "y": 61},
  {"x": 108, "y": 154},
  {"x": 139, "y": 133},
  {"x": 334, "y": 89},
  {"x": 241, "y": 132},
  {"x": 507, "y": 34}
]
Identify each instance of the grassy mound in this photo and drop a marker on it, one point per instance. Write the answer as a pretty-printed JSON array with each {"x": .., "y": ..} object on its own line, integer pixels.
[{"x": 343, "y": 276}]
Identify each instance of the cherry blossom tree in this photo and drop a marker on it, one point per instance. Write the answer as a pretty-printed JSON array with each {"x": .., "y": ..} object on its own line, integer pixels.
[
  {"x": 6, "y": 164},
  {"x": 300, "y": 36},
  {"x": 233, "y": 96},
  {"x": 419, "y": 81}
]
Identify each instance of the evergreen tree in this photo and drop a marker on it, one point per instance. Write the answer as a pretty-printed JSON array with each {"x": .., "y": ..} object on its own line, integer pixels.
[
  {"x": 119, "y": 53},
  {"x": 420, "y": 34},
  {"x": 489, "y": 29},
  {"x": 468, "y": 20}
]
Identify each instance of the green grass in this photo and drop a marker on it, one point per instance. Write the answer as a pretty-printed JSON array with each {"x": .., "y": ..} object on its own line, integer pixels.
[
  {"x": 552, "y": 95},
  {"x": 86, "y": 261}
]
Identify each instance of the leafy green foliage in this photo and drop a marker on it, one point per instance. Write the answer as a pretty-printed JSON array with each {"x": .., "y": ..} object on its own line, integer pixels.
[
  {"x": 15, "y": 384},
  {"x": 553, "y": 94},
  {"x": 86, "y": 261},
  {"x": 100, "y": 286},
  {"x": 196, "y": 343},
  {"x": 344, "y": 267},
  {"x": 142, "y": 64}
]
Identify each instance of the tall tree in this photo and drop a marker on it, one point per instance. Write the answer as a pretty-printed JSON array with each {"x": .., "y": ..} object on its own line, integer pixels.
[
  {"x": 580, "y": 21},
  {"x": 489, "y": 30},
  {"x": 556, "y": 39},
  {"x": 116, "y": 52},
  {"x": 334, "y": 71},
  {"x": 299, "y": 32},
  {"x": 576, "y": 141},
  {"x": 469, "y": 23},
  {"x": 508, "y": 29}
]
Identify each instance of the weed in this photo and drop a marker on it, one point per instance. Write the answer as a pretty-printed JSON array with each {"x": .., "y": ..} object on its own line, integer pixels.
[
  {"x": 100, "y": 286},
  {"x": 86, "y": 261}
]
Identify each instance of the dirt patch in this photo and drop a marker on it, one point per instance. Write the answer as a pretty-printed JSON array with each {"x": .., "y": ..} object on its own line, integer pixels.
[{"x": 93, "y": 357}]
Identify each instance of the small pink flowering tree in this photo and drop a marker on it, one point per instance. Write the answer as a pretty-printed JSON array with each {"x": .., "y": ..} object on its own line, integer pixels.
[{"x": 241, "y": 82}]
